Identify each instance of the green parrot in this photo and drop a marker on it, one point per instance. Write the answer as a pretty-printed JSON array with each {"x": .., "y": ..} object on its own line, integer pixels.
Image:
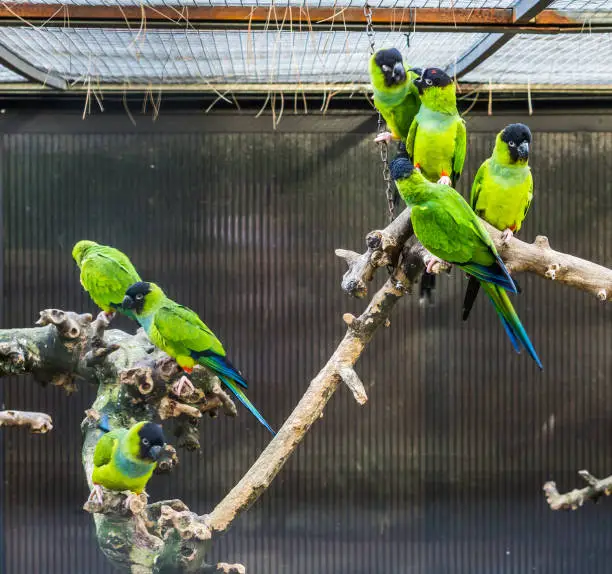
[
  {"x": 447, "y": 227},
  {"x": 178, "y": 331},
  {"x": 106, "y": 273},
  {"x": 437, "y": 139},
  {"x": 125, "y": 459},
  {"x": 502, "y": 190},
  {"x": 395, "y": 96}
]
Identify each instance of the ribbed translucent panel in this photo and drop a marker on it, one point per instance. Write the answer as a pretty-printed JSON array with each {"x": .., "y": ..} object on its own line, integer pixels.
[{"x": 441, "y": 471}]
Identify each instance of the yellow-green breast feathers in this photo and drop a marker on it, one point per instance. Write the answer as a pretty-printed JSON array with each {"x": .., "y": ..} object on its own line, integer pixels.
[
  {"x": 503, "y": 187},
  {"x": 125, "y": 459}
]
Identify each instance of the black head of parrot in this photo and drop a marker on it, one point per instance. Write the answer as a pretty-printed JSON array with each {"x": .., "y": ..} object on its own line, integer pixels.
[
  {"x": 391, "y": 64},
  {"x": 401, "y": 167},
  {"x": 431, "y": 78},
  {"x": 152, "y": 441},
  {"x": 135, "y": 296},
  {"x": 518, "y": 139}
]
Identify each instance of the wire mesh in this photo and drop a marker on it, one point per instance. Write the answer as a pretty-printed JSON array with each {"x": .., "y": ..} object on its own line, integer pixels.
[
  {"x": 165, "y": 56},
  {"x": 8, "y": 76},
  {"x": 561, "y": 59}
]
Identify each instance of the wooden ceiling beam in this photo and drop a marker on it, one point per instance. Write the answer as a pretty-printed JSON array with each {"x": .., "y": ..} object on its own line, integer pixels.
[{"x": 243, "y": 17}]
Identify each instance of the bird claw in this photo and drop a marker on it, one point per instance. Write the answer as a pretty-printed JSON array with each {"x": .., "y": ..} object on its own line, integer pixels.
[
  {"x": 109, "y": 316},
  {"x": 177, "y": 388},
  {"x": 97, "y": 494},
  {"x": 507, "y": 235},
  {"x": 445, "y": 180},
  {"x": 432, "y": 262},
  {"x": 384, "y": 137}
]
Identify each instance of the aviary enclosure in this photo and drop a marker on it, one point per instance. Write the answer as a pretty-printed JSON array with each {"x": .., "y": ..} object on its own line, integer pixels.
[{"x": 228, "y": 150}]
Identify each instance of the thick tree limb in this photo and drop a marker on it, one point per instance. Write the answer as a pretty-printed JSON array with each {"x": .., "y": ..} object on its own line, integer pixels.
[
  {"x": 40, "y": 423},
  {"x": 134, "y": 383},
  {"x": 536, "y": 257},
  {"x": 577, "y": 497}
]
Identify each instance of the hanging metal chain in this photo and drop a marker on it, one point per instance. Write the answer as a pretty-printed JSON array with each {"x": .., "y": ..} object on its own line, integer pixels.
[{"x": 384, "y": 148}]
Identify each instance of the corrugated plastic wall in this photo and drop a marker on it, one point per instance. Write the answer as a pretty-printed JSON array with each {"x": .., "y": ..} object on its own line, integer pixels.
[{"x": 441, "y": 472}]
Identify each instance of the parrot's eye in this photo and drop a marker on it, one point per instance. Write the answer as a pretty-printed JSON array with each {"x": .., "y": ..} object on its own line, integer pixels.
[
  {"x": 385, "y": 68},
  {"x": 428, "y": 82},
  {"x": 139, "y": 296},
  {"x": 145, "y": 441},
  {"x": 511, "y": 144}
]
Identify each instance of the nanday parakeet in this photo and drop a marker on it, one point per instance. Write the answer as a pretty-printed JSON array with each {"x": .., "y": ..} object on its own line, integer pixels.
[
  {"x": 502, "y": 190},
  {"x": 395, "y": 95},
  {"x": 178, "y": 331},
  {"x": 124, "y": 459},
  {"x": 106, "y": 273},
  {"x": 437, "y": 139},
  {"x": 448, "y": 227}
]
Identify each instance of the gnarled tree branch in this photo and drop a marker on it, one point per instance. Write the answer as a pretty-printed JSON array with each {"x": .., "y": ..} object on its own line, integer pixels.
[
  {"x": 39, "y": 423},
  {"x": 572, "y": 500},
  {"x": 537, "y": 257}
]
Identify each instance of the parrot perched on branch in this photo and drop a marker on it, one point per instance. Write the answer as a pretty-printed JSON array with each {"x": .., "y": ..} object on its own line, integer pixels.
[
  {"x": 106, "y": 273},
  {"x": 502, "y": 190},
  {"x": 437, "y": 139},
  {"x": 395, "y": 96},
  {"x": 447, "y": 227},
  {"x": 178, "y": 331},
  {"x": 125, "y": 459}
]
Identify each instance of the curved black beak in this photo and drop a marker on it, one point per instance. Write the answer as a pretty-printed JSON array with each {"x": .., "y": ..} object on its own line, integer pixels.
[
  {"x": 155, "y": 452},
  {"x": 523, "y": 150},
  {"x": 128, "y": 302},
  {"x": 399, "y": 74}
]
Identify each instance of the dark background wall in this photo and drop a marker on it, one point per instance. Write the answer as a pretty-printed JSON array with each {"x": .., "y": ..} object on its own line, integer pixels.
[{"x": 441, "y": 471}]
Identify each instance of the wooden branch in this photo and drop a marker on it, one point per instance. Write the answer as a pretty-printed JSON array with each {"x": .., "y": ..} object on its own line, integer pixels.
[
  {"x": 134, "y": 383},
  {"x": 40, "y": 423},
  {"x": 359, "y": 332},
  {"x": 537, "y": 257},
  {"x": 572, "y": 500}
]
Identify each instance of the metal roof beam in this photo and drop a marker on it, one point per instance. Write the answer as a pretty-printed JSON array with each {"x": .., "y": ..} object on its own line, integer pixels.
[
  {"x": 14, "y": 62},
  {"x": 523, "y": 11}
]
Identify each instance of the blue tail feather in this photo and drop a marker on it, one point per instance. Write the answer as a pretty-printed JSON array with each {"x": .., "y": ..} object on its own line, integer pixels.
[
  {"x": 104, "y": 423},
  {"x": 496, "y": 274},
  {"x": 219, "y": 365},
  {"x": 231, "y": 378},
  {"x": 239, "y": 393},
  {"x": 510, "y": 320}
]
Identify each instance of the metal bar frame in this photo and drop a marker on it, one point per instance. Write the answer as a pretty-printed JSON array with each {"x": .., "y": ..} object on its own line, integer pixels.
[
  {"x": 17, "y": 64},
  {"x": 522, "y": 12}
]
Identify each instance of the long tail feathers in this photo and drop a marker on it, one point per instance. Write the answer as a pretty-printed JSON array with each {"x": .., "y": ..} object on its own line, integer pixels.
[
  {"x": 232, "y": 379},
  {"x": 104, "y": 423},
  {"x": 232, "y": 386},
  {"x": 221, "y": 366},
  {"x": 510, "y": 320},
  {"x": 470, "y": 296}
]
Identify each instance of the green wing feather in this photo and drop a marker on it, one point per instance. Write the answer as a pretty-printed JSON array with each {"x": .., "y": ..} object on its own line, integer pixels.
[
  {"x": 412, "y": 137},
  {"x": 477, "y": 185},
  {"x": 181, "y": 326},
  {"x": 460, "y": 150},
  {"x": 448, "y": 228},
  {"x": 104, "y": 449}
]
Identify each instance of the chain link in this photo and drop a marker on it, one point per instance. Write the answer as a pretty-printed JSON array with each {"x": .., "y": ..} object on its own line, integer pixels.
[{"x": 384, "y": 148}]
